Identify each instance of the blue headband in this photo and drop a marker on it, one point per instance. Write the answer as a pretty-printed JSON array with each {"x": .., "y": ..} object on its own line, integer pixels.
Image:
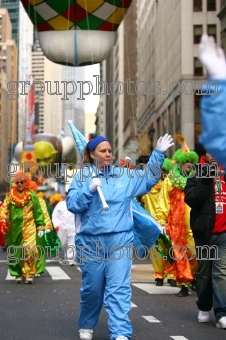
[{"x": 95, "y": 141}]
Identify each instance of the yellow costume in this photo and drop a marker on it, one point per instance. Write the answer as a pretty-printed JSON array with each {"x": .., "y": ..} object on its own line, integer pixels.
[
  {"x": 150, "y": 204},
  {"x": 174, "y": 214}
]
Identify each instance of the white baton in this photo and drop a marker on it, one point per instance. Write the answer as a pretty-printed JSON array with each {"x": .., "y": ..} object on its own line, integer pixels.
[{"x": 100, "y": 192}]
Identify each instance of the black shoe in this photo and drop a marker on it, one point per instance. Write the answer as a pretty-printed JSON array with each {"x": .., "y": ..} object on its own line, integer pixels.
[
  {"x": 183, "y": 291},
  {"x": 193, "y": 285},
  {"x": 159, "y": 282},
  {"x": 172, "y": 282}
]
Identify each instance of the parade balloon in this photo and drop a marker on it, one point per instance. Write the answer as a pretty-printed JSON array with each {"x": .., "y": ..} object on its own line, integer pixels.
[
  {"x": 76, "y": 32},
  {"x": 49, "y": 150}
]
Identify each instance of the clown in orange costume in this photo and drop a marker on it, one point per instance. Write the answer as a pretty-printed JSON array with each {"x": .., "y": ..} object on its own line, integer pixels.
[{"x": 174, "y": 214}]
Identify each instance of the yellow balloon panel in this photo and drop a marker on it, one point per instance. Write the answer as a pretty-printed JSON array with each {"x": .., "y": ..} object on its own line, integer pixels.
[
  {"x": 90, "y": 6},
  {"x": 104, "y": 15},
  {"x": 76, "y": 32}
]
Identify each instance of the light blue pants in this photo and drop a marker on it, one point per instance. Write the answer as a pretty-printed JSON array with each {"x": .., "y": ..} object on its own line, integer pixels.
[{"x": 105, "y": 262}]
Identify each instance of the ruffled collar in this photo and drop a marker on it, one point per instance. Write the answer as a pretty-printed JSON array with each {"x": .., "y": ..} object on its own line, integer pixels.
[
  {"x": 177, "y": 180},
  {"x": 19, "y": 198}
]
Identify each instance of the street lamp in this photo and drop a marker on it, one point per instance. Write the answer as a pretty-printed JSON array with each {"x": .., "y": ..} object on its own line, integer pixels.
[{"x": 151, "y": 133}]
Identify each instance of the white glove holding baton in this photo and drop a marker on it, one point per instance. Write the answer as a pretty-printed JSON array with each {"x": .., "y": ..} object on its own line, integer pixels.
[
  {"x": 164, "y": 143},
  {"x": 212, "y": 57},
  {"x": 95, "y": 184}
]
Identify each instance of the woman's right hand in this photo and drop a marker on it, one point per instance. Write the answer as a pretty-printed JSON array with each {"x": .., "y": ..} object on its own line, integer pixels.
[{"x": 96, "y": 182}]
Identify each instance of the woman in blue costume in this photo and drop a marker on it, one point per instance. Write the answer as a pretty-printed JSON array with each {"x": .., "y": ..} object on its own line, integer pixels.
[{"x": 104, "y": 238}]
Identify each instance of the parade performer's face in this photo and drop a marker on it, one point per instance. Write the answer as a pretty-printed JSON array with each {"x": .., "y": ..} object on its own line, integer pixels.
[
  {"x": 164, "y": 173},
  {"x": 187, "y": 167},
  {"x": 103, "y": 152},
  {"x": 20, "y": 184}
]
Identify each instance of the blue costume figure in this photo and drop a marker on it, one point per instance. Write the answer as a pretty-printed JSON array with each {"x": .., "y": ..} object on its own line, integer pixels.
[
  {"x": 104, "y": 238},
  {"x": 213, "y": 104}
]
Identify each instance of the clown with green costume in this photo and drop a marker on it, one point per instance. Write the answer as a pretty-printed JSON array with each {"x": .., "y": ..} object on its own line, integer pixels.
[{"x": 23, "y": 216}]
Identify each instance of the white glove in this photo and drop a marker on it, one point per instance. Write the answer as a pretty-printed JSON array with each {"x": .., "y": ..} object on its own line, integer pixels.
[
  {"x": 164, "y": 143},
  {"x": 127, "y": 159},
  {"x": 41, "y": 233},
  {"x": 163, "y": 229},
  {"x": 212, "y": 57},
  {"x": 96, "y": 182},
  {"x": 47, "y": 231}
]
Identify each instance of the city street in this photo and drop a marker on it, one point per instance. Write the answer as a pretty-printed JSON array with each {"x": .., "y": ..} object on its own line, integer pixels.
[{"x": 48, "y": 309}]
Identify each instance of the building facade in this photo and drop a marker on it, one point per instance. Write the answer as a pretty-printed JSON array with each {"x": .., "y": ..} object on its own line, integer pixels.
[
  {"x": 116, "y": 116},
  {"x": 49, "y": 92},
  {"x": 73, "y": 108},
  {"x": 8, "y": 101},
  {"x": 13, "y": 7},
  {"x": 222, "y": 17},
  {"x": 24, "y": 67},
  {"x": 168, "y": 36}
]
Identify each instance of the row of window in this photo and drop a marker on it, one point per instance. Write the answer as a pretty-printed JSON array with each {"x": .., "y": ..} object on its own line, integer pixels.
[
  {"x": 198, "y": 69},
  {"x": 198, "y": 31},
  {"x": 210, "y": 5}
]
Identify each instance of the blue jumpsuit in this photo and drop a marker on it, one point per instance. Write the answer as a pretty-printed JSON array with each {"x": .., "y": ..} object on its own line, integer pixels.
[
  {"x": 213, "y": 114},
  {"x": 104, "y": 241}
]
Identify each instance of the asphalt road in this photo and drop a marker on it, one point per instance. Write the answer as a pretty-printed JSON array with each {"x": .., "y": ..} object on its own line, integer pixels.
[{"x": 48, "y": 309}]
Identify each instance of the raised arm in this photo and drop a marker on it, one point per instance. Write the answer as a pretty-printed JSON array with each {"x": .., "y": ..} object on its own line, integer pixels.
[
  {"x": 213, "y": 104},
  {"x": 145, "y": 180}
]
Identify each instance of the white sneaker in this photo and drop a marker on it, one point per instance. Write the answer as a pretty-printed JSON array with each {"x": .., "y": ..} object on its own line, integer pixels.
[
  {"x": 72, "y": 263},
  {"x": 86, "y": 334},
  {"x": 29, "y": 280},
  {"x": 203, "y": 316},
  {"x": 37, "y": 275},
  {"x": 18, "y": 279},
  {"x": 221, "y": 323},
  {"x": 62, "y": 262},
  {"x": 121, "y": 337}
]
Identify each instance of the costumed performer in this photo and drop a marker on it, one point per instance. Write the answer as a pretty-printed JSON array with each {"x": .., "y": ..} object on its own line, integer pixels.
[
  {"x": 174, "y": 215},
  {"x": 150, "y": 204},
  {"x": 23, "y": 214},
  {"x": 64, "y": 224},
  {"x": 53, "y": 201}
]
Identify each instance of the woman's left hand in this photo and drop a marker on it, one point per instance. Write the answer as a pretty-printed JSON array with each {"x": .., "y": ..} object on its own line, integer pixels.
[{"x": 164, "y": 143}]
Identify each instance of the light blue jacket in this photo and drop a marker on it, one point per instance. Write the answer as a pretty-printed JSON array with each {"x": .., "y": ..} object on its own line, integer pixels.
[
  {"x": 119, "y": 187},
  {"x": 213, "y": 113}
]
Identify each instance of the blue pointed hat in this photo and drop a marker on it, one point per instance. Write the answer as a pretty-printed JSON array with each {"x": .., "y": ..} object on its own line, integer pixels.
[{"x": 80, "y": 140}]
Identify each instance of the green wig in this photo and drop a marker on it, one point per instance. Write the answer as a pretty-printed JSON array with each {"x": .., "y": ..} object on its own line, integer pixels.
[
  {"x": 167, "y": 164},
  {"x": 185, "y": 157}
]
